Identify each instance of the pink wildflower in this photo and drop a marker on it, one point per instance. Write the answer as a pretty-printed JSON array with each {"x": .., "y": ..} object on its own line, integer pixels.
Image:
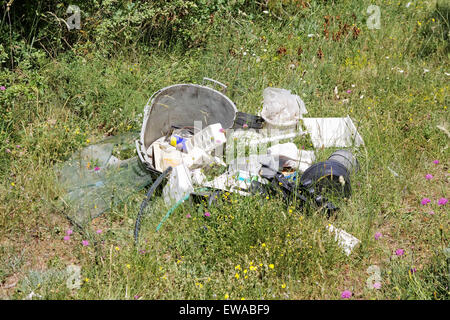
[
  {"x": 442, "y": 201},
  {"x": 425, "y": 201},
  {"x": 429, "y": 177},
  {"x": 378, "y": 235},
  {"x": 85, "y": 243},
  {"x": 2, "y": 88},
  {"x": 436, "y": 161},
  {"x": 377, "y": 285},
  {"x": 346, "y": 294},
  {"x": 66, "y": 238},
  {"x": 69, "y": 232},
  {"x": 207, "y": 214},
  {"x": 399, "y": 252},
  {"x": 99, "y": 231}
]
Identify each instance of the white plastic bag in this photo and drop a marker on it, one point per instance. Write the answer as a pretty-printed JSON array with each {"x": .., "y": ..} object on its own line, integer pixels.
[{"x": 281, "y": 108}]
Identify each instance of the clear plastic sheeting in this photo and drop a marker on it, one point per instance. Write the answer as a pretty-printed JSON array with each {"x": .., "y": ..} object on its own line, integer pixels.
[{"x": 93, "y": 179}]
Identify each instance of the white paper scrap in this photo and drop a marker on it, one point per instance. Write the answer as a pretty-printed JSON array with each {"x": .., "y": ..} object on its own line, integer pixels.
[{"x": 344, "y": 239}]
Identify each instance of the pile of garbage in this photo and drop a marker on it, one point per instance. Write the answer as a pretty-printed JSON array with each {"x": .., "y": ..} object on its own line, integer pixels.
[
  {"x": 195, "y": 143},
  {"x": 245, "y": 145}
]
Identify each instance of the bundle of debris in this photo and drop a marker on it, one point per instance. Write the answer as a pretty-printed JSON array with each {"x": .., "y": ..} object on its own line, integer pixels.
[
  {"x": 195, "y": 141},
  {"x": 192, "y": 127}
]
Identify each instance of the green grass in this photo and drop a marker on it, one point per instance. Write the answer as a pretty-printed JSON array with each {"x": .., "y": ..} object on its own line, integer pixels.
[{"x": 52, "y": 111}]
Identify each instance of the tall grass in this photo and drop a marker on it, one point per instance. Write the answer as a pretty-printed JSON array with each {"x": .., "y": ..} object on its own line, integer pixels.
[{"x": 249, "y": 247}]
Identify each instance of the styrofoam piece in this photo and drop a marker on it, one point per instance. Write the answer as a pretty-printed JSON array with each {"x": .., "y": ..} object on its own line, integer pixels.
[
  {"x": 345, "y": 240},
  {"x": 207, "y": 139},
  {"x": 332, "y": 132},
  {"x": 178, "y": 185}
]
